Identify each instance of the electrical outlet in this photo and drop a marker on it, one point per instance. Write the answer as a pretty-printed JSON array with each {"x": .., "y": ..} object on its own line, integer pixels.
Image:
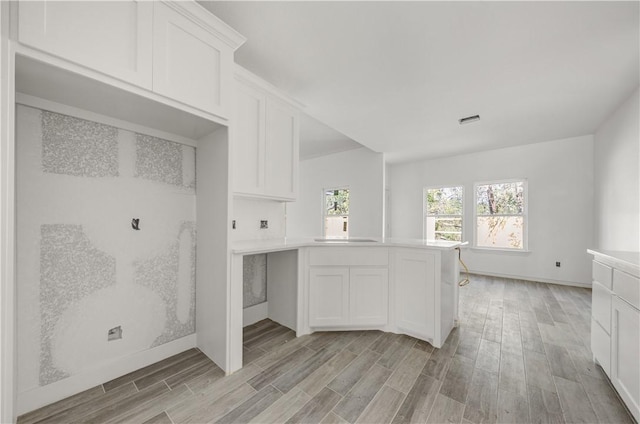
[
  {"x": 114, "y": 334},
  {"x": 233, "y": 224},
  {"x": 558, "y": 264},
  {"x": 264, "y": 225}
]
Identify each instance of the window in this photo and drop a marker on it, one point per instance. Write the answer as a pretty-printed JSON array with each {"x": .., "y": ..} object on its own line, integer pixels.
[
  {"x": 443, "y": 213},
  {"x": 501, "y": 215},
  {"x": 336, "y": 213}
]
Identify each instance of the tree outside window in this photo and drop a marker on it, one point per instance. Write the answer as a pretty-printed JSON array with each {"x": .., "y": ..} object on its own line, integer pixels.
[
  {"x": 336, "y": 213},
  {"x": 443, "y": 213},
  {"x": 501, "y": 215}
]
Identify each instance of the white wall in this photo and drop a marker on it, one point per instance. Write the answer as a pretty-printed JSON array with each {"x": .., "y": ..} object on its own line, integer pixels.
[
  {"x": 560, "y": 181},
  {"x": 360, "y": 170},
  {"x": 82, "y": 268},
  {"x": 249, "y": 212},
  {"x": 617, "y": 154}
]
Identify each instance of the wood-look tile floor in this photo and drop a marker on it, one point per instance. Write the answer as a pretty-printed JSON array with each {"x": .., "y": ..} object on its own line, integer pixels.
[{"x": 521, "y": 354}]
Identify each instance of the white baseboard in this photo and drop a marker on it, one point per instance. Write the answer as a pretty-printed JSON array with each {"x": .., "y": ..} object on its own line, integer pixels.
[
  {"x": 255, "y": 313},
  {"x": 41, "y": 396},
  {"x": 534, "y": 279}
]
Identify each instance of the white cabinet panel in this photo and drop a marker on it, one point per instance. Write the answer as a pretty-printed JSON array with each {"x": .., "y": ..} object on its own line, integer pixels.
[
  {"x": 113, "y": 37},
  {"x": 266, "y": 143},
  {"x": 625, "y": 353},
  {"x": 328, "y": 296},
  {"x": 415, "y": 290},
  {"x": 248, "y": 169},
  {"x": 601, "y": 346},
  {"x": 602, "y": 274},
  {"x": 281, "y": 152},
  {"x": 368, "y": 296},
  {"x": 627, "y": 287},
  {"x": 349, "y": 256},
  {"x": 190, "y": 64},
  {"x": 601, "y": 306}
]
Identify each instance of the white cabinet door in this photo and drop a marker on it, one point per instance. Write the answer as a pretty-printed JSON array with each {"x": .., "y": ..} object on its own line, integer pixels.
[
  {"x": 601, "y": 346},
  {"x": 625, "y": 353},
  {"x": 368, "y": 296},
  {"x": 113, "y": 37},
  {"x": 248, "y": 141},
  {"x": 328, "y": 296},
  {"x": 282, "y": 144},
  {"x": 190, "y": 64},
  {"x": 414, "y": 277}
]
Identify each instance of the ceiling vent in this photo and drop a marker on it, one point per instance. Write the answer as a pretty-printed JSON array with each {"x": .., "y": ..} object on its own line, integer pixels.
[{"x": 469, "y": 119}]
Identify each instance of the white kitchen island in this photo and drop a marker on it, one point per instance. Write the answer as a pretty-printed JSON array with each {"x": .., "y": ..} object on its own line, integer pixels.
[{"x": 404, "y": 286}]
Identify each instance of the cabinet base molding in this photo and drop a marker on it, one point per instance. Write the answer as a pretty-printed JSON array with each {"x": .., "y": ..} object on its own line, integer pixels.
[{"x": 534, "y": 279}]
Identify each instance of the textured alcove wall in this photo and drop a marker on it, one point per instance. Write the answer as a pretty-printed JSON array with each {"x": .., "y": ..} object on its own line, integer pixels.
[
  {"x": 254, "y": 279},
  {"x": 82, "y": 268}
]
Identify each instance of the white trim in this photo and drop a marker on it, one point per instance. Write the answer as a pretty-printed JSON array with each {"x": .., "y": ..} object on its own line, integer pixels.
[
  {"x": 41, "y": 396},
  {"x": 249, "y": 78},
  {"x": 533, "y": 279},
  {"x": 202, "y": 17},
  {"x": 39, "y": 103},
  {"x": 255, "y": 313},
  {"x": 7, "y": 225}
]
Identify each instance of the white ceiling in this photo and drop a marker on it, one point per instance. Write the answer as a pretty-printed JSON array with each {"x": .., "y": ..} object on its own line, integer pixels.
[
  {"x": 397, "y": 76},
  {"x": 318, "y": 139}
]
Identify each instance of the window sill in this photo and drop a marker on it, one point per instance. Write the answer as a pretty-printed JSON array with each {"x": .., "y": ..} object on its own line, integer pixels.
[{"x": 500, "y": 251}]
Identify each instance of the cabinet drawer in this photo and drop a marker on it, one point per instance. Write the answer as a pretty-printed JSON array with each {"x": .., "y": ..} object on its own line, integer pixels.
[
  {"x": 349, "y": 256},
  {"x": 601, "y": 346},
  {"x": 627, "y": 287},
  {"x": 602, "y": 274},
  {"x": 601, "y": 306}
]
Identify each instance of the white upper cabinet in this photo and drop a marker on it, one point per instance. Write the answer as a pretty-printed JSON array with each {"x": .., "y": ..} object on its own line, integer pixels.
[
  {"x": 190, "y": 63},
  {"x": 176, "y": 49},
  {"x": 249, "y": 140},
  {"x": 281, "y": 150},
  {"x": 265, "y": 141},
  {"x": 113, "y": 37}
]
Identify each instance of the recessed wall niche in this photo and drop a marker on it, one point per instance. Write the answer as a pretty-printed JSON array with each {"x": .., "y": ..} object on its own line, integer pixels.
[{"x": 82, "y": 268}]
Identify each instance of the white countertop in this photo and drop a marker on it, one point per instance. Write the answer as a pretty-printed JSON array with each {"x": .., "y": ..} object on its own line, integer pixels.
[
  {"x": 625, "y": 261},
  {"x": 274, "y": 245}
]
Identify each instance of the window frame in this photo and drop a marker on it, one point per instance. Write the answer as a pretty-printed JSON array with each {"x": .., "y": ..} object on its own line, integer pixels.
[
  {"x": 324, "y": 211},
  {"x": 524, "y": 215},
  {"x": 425, "y": 209}
]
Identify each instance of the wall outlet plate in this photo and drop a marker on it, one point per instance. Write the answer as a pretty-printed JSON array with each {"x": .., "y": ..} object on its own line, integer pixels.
[
  {"x": 114, "y": 333},
  {"x": 264, "y": 225}
]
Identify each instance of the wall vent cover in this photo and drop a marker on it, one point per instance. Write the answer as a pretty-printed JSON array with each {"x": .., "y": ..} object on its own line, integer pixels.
[{"x": 469, "y": 119}]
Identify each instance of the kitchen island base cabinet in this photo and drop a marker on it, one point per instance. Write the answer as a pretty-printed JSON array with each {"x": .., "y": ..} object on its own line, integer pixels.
[
  {"x": 615, "y": 322},
  {"x": 343, "y": 296},
  {"x": 415, "y": 276},
  {"x": 328, "y": 296},
  {"x": 625, "y": 353},
  {"x": 403, "y": 290}
]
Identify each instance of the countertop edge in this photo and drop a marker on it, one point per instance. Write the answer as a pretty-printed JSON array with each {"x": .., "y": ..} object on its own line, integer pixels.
[
  {"x": 243, "y": 248},
  {"x": 618, "y": 260}
]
